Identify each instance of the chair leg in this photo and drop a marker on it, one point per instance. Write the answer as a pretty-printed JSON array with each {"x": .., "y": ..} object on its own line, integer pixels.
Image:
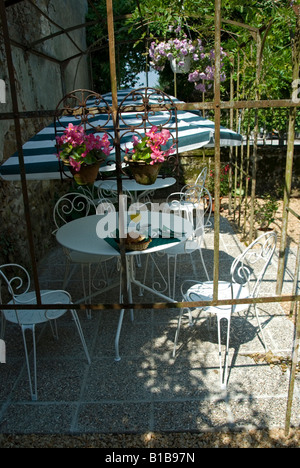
[
  {"x": 67, "y": 274},
  {"x": 81, "y": 335},
  {"x": 117, "y": 338},
  {"x": 172, "y": 294},
  {"x": 203, "y": 264},
  {"x": 32, "y": 384},
  {"x": 88, "y": 311},
  {"x": 260, "y": 327},
  {"x": 191, "y": 324},
  {"x": 223, "y": 371},
  {"x": 177, "y": 331},
  {"x": 53, "y": 326}
]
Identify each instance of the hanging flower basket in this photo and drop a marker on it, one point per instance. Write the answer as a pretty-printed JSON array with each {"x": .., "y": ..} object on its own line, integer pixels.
[
  {"x": 87, "y": 173},
  {"x": 181, "y": 66},
  {"x": 82, "y": 153},
  {"x": 187, "y": 56},
  {"x": 144, "y": 174},
  {"x": 148, "y": 155}
]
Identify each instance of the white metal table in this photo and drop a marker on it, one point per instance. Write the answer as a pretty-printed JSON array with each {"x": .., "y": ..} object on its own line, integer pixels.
[
  {"x": 86, "y": 235},
  {"x": 130, "y": 185}
]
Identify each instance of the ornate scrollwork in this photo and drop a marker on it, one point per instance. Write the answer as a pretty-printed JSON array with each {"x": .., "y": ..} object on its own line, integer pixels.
[
  {"x": 138, "y": 111},
  {"x": 85, "y": 108},
  {"x": 143, "y": 108}
]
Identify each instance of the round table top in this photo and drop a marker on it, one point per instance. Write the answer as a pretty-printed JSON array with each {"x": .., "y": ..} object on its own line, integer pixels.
[
  {"x": 87, "y": 234},
  {"x": 132, "y": 186}
]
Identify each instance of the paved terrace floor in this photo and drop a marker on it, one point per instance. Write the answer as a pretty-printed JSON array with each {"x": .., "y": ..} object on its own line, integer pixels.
[{"x": 149, "y": 390}]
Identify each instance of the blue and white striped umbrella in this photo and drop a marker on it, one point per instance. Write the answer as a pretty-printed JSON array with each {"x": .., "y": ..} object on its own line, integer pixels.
[{"x": 40, "y": 158}]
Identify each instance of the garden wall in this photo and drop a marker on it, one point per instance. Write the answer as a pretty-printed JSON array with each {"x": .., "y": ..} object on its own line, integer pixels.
[
  {"x": 41, "y": 83},
  {"x": 271, "y": 162}
]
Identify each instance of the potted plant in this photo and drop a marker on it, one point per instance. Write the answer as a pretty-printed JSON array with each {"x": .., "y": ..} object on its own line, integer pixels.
[
  {"x": 224, "y": 182},
  {"x": 147, "y": 155},
  {"x": 265, "y": 212},
  {"x": 82, "y": 153},
  {"x": 186, "y": 56}
]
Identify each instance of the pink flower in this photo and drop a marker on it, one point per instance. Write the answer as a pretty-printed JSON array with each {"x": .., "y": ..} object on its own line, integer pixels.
[
  {"x": 151, "y": 133},
  {"x": 156, "y": 155},
  {"x": 76, "y": 165},
  {"x": 171, "y": 150},
  {"x": 165, "y": 135},
  {"x": 135, "y": 140}
]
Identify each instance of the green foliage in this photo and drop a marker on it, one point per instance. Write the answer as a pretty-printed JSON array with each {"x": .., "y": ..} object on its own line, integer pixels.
[
  {"x": 265, "y": 212},
  {"x": 150, "y": 20},
  {"x": 224, "y": 181},
  {"x": 130, "y": 60}
]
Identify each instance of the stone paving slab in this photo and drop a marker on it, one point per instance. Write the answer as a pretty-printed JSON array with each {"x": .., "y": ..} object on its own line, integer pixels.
[{"x": 149, "y": 390}]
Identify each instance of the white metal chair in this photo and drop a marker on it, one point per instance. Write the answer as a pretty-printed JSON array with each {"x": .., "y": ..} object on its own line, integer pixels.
[
  {"x": 247, "y": 273},
  {"x": 71, "y": 206},
  {"x": 201, "y": 177},
  {"x": 192, "y": 203},
  {"x": 186, "y": 201},
  {"x": 17, "y": 280}
]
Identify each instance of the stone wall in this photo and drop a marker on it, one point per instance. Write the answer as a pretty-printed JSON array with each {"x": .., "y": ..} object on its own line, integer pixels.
[
  {"x": 41, "y": 83},
  {"x": 271, "y": 162}
]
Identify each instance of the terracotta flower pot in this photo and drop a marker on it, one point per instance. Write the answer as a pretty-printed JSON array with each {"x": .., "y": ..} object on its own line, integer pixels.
[
  {"x": 144, "y": 174},
  {"x": 87, "y": 174}
]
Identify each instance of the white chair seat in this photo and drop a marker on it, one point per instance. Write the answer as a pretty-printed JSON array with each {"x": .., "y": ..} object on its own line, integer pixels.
[
  {"x": 204, "y": 292},
  {"x": 33, "y": 317}
]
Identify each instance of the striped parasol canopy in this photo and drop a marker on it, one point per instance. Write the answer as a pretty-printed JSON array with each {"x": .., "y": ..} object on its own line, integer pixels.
[{"x": 191, "y": 132}]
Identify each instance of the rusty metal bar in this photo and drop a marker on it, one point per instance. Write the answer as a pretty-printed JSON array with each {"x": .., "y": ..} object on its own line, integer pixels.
[
  {"x": 155, "y": 305},
  {"x": 282, "y": 250},
  {"x": 290, "y": 154},
  {"x": 117, "y": 142},
  {"x": 27, "y": 115},
  {"x": 14, "y": 98},
  {"x": 289, "y": 161},
  {"x": 293, "y": 372},
  {"x": 260, "y": 104},
  {"x": 217, "y": 110},
  {"x": 296, "y": 277},
  {"x": 34, "y": 52},
  {"x": 288, "y": 103}
]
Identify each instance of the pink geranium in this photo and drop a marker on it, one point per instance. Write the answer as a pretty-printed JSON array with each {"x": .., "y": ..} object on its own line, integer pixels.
[
  {"x": 76, "y": 147},
  {"x": 149, "y": 149}
]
